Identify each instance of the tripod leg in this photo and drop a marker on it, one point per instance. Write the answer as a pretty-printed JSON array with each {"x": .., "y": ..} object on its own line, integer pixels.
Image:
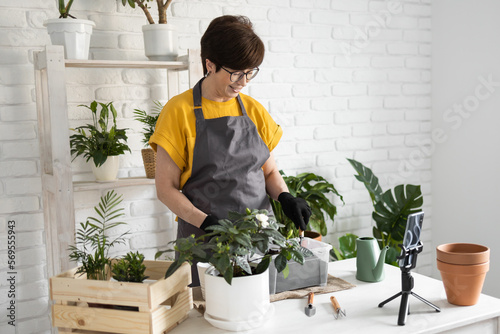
[
  {"x": 403, "y": 309},
  {"x": 426, "y": 302},
  {"x": 390, "y": 298}
]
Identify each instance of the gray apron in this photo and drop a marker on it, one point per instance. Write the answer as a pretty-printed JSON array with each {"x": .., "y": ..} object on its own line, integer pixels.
[{"x": 227, "y": 170}]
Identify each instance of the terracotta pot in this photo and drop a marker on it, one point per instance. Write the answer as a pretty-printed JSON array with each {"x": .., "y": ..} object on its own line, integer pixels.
[
  {"x": 463, "y": 283},
  {"x": 313, "y": 235},
  {"x": 461, "y": 253}
]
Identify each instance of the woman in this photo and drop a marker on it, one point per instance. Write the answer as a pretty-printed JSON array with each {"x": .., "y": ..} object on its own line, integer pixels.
[{"x": 215, "y": 144}]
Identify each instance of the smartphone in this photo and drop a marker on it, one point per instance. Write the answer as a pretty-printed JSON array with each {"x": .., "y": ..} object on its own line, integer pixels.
[{"x": 412, "y": 235}]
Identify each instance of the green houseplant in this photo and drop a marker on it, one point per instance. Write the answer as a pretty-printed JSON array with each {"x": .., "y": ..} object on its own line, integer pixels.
[
  {"x": 314, "y": 189},
  {"x": 74, "y": 34},
  {"x": 160, "y": 40},
  {"x": 130, "y": 268},
  {"x": 149, "y": 123},
  {"x": 92, "y": 243},
  {"x": 100, "y": 141},
  {"x": 390, "y": 211},
  {"x": 240, "y": 250}
]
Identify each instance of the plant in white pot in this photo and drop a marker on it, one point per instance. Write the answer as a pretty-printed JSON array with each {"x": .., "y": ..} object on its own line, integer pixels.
[
  {"x": 74, "y": 34},
  {"x": 149, "y": 122},
  {"x": 160, "y": 40},
  {"x": 240, "y": 251},
  {"x": 100, "y": 141}
]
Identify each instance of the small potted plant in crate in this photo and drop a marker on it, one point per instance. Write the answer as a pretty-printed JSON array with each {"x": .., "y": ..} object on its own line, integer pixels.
[
  {"x": 102, "y": 141},
  {"x": 86, "y": 300},
  {"x": 74, "y": 34},
  {"x": 240, "y": 251},
  {"x": 149, "y": 122}
]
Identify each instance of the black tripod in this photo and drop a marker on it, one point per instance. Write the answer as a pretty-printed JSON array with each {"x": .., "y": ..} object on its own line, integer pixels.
[{"x": 410, "y": 261}]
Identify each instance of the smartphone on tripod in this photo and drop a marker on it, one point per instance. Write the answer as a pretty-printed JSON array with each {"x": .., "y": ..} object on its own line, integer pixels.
[{"x": 412, "y": 236}]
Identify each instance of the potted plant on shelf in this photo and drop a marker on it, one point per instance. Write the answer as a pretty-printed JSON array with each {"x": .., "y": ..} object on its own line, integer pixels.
[
  {"x": 160, "y": 40},
  {"x": 314, "y": 189},
  {"x": 390, "y": 213},
  {"x": 80, "y": 294},
  {"x": 240, "y": 252},
  {"x": 149, "y": 122},
  {"x": 74, "y": 34},
  {"x": 100, "y": 141}
]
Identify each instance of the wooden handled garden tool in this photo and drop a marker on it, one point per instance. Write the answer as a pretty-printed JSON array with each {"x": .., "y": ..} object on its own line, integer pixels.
[
  {"x": 338, "y": 311},
  {"x": 310, "y": 309}
]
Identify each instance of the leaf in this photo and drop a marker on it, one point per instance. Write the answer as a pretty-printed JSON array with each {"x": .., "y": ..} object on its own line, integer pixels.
[
  {"x": 366, "y": 176},
  {"x": 392, "y": 210},
  {"x": 174, "y": 266},
  {"x": 228, "y": 275},
  {"x": 280, "y": 262},
  {"x": 347, "y": 245},
  {"x": 297, "y": 256},
  {"x": 264, "y": 264},
  {"x": 286, "y": 271},
  {"x": 243, "y": 264}
]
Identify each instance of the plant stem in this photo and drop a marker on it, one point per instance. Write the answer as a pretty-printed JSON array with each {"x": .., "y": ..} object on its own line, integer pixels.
[{"x": 144, "y": 8}]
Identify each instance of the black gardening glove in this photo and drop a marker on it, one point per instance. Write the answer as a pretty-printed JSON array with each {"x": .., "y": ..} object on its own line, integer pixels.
[
  {"x": 210, "y": 220},
  {"x": 296, "y": 209}
]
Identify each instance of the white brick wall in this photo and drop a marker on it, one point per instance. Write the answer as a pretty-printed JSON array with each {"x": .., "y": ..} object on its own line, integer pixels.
[{"x": 343, "y": 78}]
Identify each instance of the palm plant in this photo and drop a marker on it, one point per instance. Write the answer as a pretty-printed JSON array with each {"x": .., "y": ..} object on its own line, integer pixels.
[
  {"x": 93, "y": 244},
  {"x": 149, "y": 121}
]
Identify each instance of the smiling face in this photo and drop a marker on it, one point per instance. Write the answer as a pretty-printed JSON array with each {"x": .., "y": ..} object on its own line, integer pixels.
[{"x": 218, "y": 85}]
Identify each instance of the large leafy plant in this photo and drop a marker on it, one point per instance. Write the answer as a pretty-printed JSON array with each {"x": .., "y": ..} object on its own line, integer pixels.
[
  {"x": 102, "y": 138},
  {"x": 162, "y": 6},
  {"x": 390, "y": 210},
  {"x": 148, "y": 120},
  {"x": 93, "y": 244},
  {"x": 241, "y": 245},
  {"x": 314, "y": 189}
]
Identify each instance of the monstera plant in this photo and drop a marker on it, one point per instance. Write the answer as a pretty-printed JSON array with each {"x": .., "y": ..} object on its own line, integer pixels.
[{"x": 390, "y": 211}]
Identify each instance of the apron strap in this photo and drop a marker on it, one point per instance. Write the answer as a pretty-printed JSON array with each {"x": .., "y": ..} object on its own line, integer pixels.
[{"x": 197, "y": 102}]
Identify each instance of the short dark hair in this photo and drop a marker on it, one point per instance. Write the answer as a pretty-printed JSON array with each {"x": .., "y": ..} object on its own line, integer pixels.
[{"x": 230, "y": 41}]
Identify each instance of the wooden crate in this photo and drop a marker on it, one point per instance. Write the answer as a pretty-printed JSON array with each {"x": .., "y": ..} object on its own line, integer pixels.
[{"x": 72, "y": 294}]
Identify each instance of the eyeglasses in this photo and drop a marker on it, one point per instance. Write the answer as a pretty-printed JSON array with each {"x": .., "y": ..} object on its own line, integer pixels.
[{"x": 237, "y": 75}]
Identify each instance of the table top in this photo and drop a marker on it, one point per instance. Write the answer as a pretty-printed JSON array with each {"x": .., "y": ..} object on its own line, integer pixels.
[{"x": 363, "y": 313}]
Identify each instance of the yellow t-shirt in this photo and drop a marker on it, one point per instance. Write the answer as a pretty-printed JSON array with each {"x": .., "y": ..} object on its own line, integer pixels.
[{"x": 175, "y": 129}]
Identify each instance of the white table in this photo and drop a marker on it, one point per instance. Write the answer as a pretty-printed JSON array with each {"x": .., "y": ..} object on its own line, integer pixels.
[{"x": 363, "y": 313}]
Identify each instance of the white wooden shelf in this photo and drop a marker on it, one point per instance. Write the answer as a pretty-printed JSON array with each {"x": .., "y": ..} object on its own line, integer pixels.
[
  {"x": 123, "y": 182},
  {"x": 53, "y": 133}
]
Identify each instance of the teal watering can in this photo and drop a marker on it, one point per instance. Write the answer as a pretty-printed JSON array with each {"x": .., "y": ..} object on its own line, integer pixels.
[{"x": 370, "y": 260}]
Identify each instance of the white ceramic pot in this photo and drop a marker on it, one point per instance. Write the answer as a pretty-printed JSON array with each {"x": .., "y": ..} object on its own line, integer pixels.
[
  {"x": 73, "y": 34},
  {"x": 108, "y": 171},
  {"x": 160, "y": 42},
  {"x": 241, "y": 306},
  {"x": 202, "y": 268}
]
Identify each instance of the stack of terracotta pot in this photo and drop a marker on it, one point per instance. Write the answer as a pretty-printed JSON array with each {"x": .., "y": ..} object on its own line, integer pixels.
[{"x": 463, "y": 268}]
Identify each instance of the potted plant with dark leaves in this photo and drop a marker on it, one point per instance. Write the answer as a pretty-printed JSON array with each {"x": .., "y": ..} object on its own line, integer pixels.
[
  {"x": 129, "y": 268},
  {"x": 149, "y": 123},
  {"x": 315, "y": 190},
  {"x": 391, "y": 209},
  {"x": 160, "y": 40},
  {"x": 102, "y": 141},
  {"x": 240, "y": 251},
  {"x": 74, "y": 34}
]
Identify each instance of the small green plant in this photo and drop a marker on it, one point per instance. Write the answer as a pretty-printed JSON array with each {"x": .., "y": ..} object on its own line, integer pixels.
[
  {"x": 102, "y": 138},
  {"x": 92, "y": 243},
  {"x": 64, "y": 9},
  {"x": 391, "y": 209},
  {"x": 143, "y": 4},
  {"x": 314, "y": 189},
  {"x": 240, "y": 246},
  {"x": 347, "y": 247},
  {"x": 130, "y": 268},
  {"x": 149, "y": 121}
]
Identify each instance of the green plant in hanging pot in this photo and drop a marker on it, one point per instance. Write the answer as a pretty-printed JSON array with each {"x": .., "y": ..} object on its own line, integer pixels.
[
  {"x": 102, "y": 141},
  {"x": 149, "y": 123},
  {"x": 390, "y": 211},
  {"x": 74, "y": 34},
  {"x": 314, "y": 189},
  {"x": 92, "y": 243},
  {"x": 160, "y": 40}
]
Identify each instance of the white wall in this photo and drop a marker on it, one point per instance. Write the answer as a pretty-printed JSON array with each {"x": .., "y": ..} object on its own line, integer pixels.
[
  {"x": 465, "y": 164},
  {"x": 343, "y": 78}
]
